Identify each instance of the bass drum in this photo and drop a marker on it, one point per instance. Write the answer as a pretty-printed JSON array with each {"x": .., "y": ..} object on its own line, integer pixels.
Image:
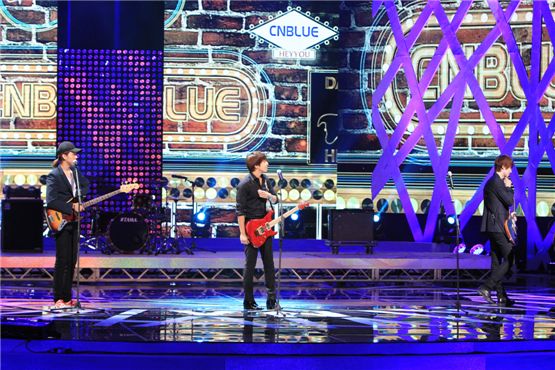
[{"x": 128, "y": 232}]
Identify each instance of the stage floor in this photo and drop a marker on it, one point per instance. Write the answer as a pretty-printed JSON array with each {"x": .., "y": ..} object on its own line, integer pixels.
[{"x": 316, "y": 314}]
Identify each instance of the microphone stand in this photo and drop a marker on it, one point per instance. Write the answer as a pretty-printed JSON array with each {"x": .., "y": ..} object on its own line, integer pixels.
[
  {"x": 279, "y": 311},
  {"x": 78, "y": 246},
  {"x": 457, "y": 242}
]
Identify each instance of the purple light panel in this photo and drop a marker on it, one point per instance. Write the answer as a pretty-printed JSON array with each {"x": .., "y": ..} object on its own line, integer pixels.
[
  {"x": 110, "y": 105},
  {"x": 534, "y": 86}
]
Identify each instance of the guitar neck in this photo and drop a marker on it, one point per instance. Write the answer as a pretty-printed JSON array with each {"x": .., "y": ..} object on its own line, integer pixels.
[
  {"x": 101, "y": 198},
  {"x": 282, "y": 217}
]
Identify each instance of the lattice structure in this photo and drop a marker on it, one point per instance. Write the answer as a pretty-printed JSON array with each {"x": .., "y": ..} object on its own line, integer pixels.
[
  {"x": 397, "y": 146},
  {"x": 136, "y": 275},
  {"x": 110, "y": 104}
]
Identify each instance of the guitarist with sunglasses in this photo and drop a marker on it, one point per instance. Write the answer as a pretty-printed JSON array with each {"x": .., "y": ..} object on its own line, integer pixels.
[
  {"x": 254, "y": 196},
  {"x": 60, "y": 192},
  {"x": 498, "y": 197}
]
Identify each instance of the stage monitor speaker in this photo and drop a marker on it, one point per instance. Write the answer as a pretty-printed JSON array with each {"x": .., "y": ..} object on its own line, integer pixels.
[
  {"x": 22, "y": 225},
  {"x": 350, "y": 227}
]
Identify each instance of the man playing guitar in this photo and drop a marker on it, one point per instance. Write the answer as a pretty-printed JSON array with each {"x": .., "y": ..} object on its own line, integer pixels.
[
  {"x": 498, "y": 197},
  {"x": 60, "y": 193},
  {"x": 253, "y": 194}
]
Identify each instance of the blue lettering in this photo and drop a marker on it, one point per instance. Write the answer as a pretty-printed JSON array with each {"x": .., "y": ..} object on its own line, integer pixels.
[{"x": 290, "y": 31}]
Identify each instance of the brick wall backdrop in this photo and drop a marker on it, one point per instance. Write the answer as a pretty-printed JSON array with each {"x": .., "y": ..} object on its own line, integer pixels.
[
  {"x": 224, "y": 25},
  {"x": 33, "y": 40}
]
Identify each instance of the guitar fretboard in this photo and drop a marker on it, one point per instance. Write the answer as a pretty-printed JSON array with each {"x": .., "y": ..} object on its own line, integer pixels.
[
  {"x": 283, "y": 217},
  {"x": 101, "y": 198}
]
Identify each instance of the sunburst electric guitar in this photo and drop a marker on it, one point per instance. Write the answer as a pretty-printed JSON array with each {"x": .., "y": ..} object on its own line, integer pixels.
[
  {"x": 57, "y": 220},
  {"x": 261, "y": 229}
]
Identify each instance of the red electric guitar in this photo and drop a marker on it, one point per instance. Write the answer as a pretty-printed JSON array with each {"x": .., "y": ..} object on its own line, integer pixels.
[{"x": 261, "y": 229}]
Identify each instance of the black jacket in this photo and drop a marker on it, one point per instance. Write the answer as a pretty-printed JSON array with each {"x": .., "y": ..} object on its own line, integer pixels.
[
  {"x": 59, "y": 194},
  {"x": 497, "y": 200}
]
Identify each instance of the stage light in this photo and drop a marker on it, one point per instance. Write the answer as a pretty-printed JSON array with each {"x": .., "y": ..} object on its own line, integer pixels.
[
  {"x": 294, "y": 183},
  {"x": 211, "y": 182},
  {"x": 329, "y": 184},
  {"x": 306, "y": 195},
  {"x": 294, "y": 226},
  {"x": 451, "y": 219},
  {"x": 329, "y": 195},
  {"x": 200, "y": 226},
  {"x": 211, "y": 193},
  {"x": 317, "y": 194},
  {"x": 174, "y": 193},
  {"x": 201, "y": 216},
  {"x": 235, "y": 181},
  {"x": 460, "y": 248},
  {"x": 294, "y": 194},
  {"x": 377, "y": 217},
  {"x": 477, "y": 249},
  {"x": 367, "y": 204},
  {"x": 223, "y": 193},
  {"x": 42, "y": 180}
]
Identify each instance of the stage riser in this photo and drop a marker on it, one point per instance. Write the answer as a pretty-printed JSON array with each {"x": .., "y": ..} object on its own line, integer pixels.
[{"x": 101, "y": 275}]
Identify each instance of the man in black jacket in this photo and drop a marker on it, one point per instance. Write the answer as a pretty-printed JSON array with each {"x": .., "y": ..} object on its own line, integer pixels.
[
  {"x": 498, "y": 197},
  {"x": 61, "y": 190},
  {"x": 253, "y": 194}
]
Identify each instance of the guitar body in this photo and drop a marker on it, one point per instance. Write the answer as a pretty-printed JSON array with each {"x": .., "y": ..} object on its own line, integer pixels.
[
  {"x": 258, "y": 230},
  {"x": 510, "y": 229},
  {"x": 57, "y": 220}
]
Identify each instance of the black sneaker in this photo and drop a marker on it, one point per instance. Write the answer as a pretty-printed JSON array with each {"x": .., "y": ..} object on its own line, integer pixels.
[
  {"x": 250, "y": 305},
  {"x": 271, "y": 303},
  {"x": 485, "y": 293}
]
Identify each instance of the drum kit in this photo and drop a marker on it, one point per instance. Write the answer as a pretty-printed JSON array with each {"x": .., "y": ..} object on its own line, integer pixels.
[{"x": 145, "y": 229}]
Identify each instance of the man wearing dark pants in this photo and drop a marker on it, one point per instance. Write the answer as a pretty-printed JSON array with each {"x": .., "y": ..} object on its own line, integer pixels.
[
  {"x": 498, "y": 197},
  {"x": 253, "y": 195},
  {"x": 61, "y": 190}
]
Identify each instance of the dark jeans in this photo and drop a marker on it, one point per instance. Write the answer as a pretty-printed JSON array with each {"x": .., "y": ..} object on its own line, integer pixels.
[
  {"x": 251, "y": 254},
  {"x": 501, "y": 262},
  {"x": 66, "y": 257}
]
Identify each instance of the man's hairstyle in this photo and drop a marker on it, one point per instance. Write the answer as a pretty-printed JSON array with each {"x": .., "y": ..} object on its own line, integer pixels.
[
  {"x": 254, "y": 159},
  {"x": 503, "y": 161}
]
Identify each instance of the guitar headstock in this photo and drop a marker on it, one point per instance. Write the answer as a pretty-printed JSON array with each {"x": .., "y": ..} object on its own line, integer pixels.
[
  {"x": 126, "y": 188},
  {"x": 303, "y": 205}
]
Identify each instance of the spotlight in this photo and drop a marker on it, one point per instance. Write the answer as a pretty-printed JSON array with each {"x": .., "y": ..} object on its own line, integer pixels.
[
  {"x": 200, "y": 217},
  {"x": 477, "y": 249},
  {"x": 294, "y": 226},
  {"x": 451, "y": 219},
  {"x": 42, "y": 180},
  {"x": 377, "y": 217},
  {"x": 460, "y": 248},
  {"x": 200, "y": 226}
]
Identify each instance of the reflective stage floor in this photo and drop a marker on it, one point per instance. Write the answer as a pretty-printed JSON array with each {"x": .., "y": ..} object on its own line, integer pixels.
[{"x": 369, "y": 317}]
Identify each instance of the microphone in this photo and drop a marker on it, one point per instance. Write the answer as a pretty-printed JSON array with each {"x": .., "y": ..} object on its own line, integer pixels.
[
  {"x": 280, "y": 175},
  {"x": 179, "y": 177},
  {"x": 450, "y": 175}
]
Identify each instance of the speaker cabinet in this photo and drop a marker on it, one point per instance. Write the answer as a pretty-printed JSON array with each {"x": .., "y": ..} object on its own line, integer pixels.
[
  {"x": 350, "y": 227},
  {"x": 22, "y": 225}
]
